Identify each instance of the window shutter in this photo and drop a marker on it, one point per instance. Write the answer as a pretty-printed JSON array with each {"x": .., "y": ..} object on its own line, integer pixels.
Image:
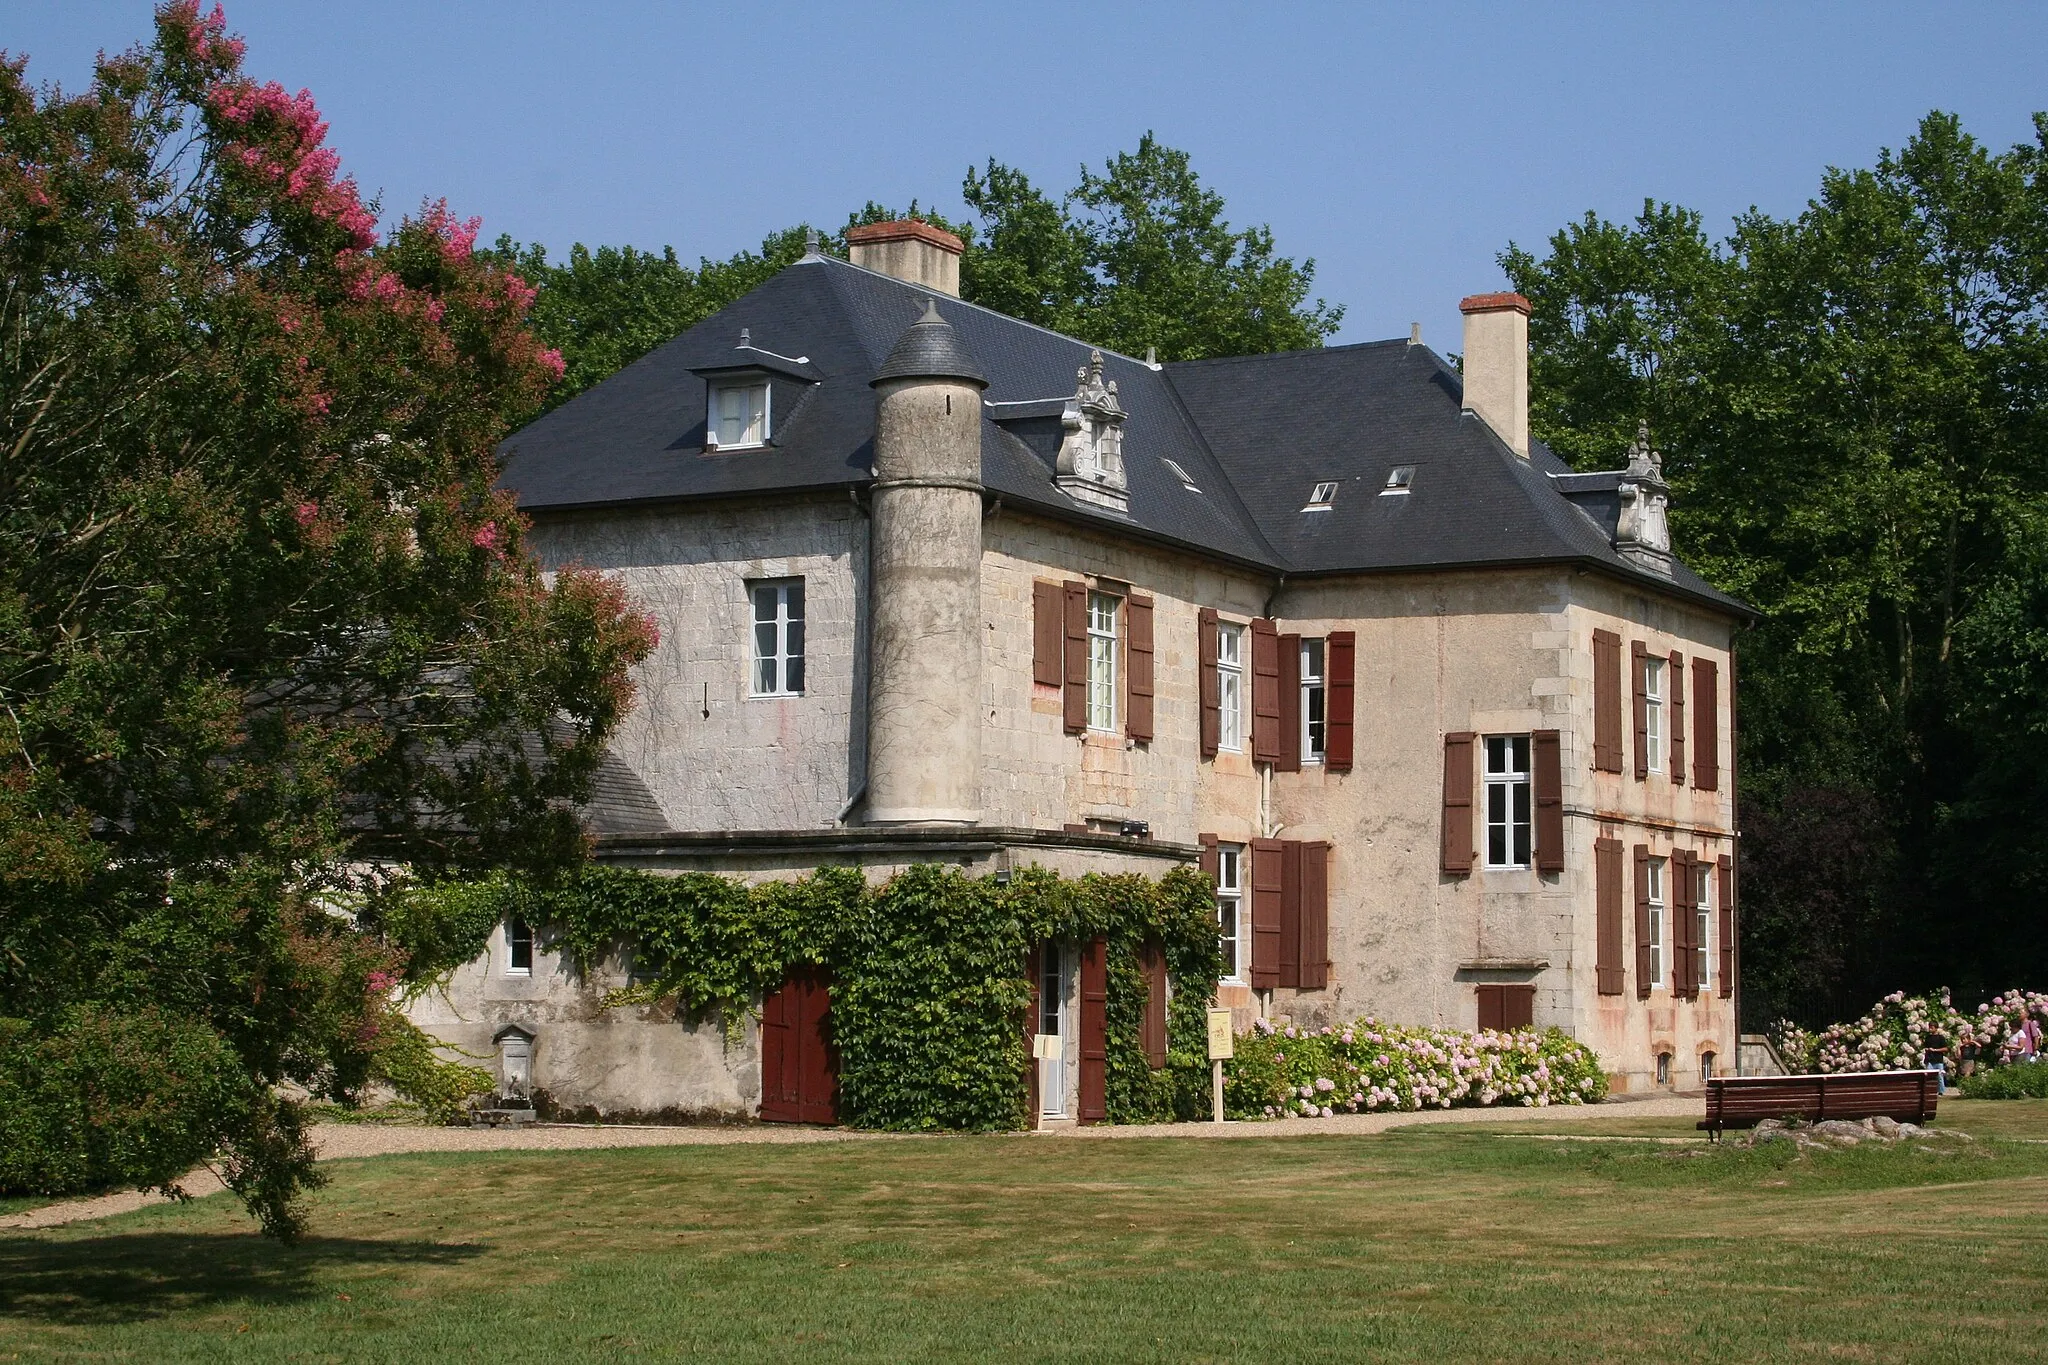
[
  {"x": 1340, "y": 667},
  {"x": 1642, "y": 922},
  {"x": 1290, "y": 705},
  {"x": 1207, "y": 630},
  {"x": 1518, "y": 1006},
  {"x": 1268, "y": 879},
  {"x": 1048, "y": 636},
  {"x": 1606, "y": 701},
  {"x": 1547, "y": 778},
  {"x": 1290, "y": 913},
  {"x": 1212, "y": 858},
  {"x": 1094, "y": 1032},
  {"x": 1680, "y": 899},
  {"x": 1492, "y": 1011},
  {"x": 1457, "y": 830},
  {"x": 1676, "y": 711},
  {"x": 1728, "y": 925},
  {"x": 1607, "y": 915},
  {"x": 1153, "y": 1026},
  {"x": 1315, "y": 916},
  {"x": 1265, "y": 691},
  {"x": 1076, "y": 656},
  {"x": 1706, "y": 736},
  {"x": 1138, "y": 612},
  {"x": 1637, "y": 657}
]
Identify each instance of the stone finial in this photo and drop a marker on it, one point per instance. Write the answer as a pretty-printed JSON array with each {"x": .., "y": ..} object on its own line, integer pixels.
[
  {"x": 1643, "y": 460},
  {"x": 810, "y": 241},
  {"x": 1642, "y": 531}
]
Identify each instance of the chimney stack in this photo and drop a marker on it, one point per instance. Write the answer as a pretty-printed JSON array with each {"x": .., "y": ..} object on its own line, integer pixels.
[
  {"x": 1497, "y": 365},
  {"x": 919, "y": 253}
]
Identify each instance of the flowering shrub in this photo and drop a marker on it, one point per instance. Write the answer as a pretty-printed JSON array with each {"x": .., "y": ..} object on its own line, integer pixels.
[
  {"x": 1892, "y": 1036},
  {"x": 1367, "y": 1066}
]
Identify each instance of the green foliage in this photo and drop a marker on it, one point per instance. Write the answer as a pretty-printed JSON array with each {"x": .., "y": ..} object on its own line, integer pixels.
[
  {"x": 1851, "y": 405},
  {"x": 2017, "y": 1081},
  {"x": 410, "y": 1062},
  {"x": 929, "y": 992},
  {"x": 264, "y": 614}
]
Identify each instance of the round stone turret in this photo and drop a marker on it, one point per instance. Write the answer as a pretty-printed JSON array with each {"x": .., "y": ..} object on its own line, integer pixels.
[{"x": 924, "y": 645}]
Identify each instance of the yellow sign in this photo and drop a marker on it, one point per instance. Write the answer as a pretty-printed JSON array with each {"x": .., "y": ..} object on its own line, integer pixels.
[{"x": 1221, "y": 1044}]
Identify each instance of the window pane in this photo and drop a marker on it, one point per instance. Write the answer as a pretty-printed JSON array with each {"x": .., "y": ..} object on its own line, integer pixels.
[
  {"x": 764, "y": 603},
  {"x": 1496, "y": 844},
  {"x": 1496, "y": 755},
  {"x": 794, "y": 593},
  {"x": 764, "y": 675},
  {"x": 793, "y": 673},
  {"x": 1522, "y": 840},
  {"x": 1519, "y": 748},
  {"x": 794, "y": 637}
]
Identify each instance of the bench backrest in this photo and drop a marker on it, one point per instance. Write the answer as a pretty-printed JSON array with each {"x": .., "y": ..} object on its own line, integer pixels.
[{"x": 1741, "y": 1101}]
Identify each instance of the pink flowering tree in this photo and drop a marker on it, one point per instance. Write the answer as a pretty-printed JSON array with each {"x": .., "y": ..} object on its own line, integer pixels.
[{"x": 266, "y": 619}]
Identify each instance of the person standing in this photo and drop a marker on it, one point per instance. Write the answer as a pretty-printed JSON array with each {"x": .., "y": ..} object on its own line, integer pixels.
[
  {"x": 1934, "y": 1055},
  {"x": 2030, "y": 1037}
]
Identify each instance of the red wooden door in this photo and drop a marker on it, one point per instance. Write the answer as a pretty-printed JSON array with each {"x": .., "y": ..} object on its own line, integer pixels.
[
  {"x": 1094, "y": 1032},
  {"x": 799, "y": 1073}
]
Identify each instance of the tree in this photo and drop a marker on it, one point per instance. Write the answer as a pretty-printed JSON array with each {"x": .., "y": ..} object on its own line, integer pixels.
[
  {"x": 1137, "y": 257},
  {"x": 264, "y": 617},
  {"x": 1852, "y": 404}
]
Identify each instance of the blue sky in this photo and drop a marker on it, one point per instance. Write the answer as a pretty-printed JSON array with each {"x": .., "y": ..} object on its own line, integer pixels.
[{"x": 1401, "y": 145}]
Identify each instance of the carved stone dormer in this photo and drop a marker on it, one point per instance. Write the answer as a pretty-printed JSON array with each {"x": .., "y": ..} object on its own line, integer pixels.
[
  {"x": 1091, "y": 460},
  {"x": 1642, "y": 533}
]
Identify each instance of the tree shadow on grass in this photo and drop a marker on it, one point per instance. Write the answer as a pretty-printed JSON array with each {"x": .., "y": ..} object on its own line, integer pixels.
[{"x": 147, "y": 1275}]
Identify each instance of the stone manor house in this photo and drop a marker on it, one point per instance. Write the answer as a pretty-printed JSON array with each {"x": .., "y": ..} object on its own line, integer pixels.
[{"x": 1448, "y": 723}]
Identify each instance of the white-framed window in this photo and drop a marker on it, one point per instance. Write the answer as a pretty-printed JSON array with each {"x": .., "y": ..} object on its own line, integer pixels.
[
  {"x": 1706, "y": 1066},
  {"x": 1102, "y": 618},
  {"x": 1232, "y": 932},
  {"x": 1703, "y": 924},
  {"x": 1656, "y": 879},
  {"x": 1311, "y": 701},
  {"x": 518, "y": 948},
  {"x": 1399, "y": 479},
  {"x": 1509, "y": 830},
  {"x": 1321, "y": 497},
  {"x": 778, "y": 637},
  {"x": 1653, "y": 712},
  {"x": 1230, "y": 687},
  {"x": 739, "y": 415}
]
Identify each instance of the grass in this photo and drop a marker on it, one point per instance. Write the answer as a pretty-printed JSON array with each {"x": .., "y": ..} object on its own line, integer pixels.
[{"x": 1447, "y": 1244}]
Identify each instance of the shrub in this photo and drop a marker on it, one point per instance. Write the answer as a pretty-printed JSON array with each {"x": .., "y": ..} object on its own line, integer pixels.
[
  {"x": 1369, "y": 1066},
  {"x": 1893, "y": 1035},
  {"x": 2016, "y": 1081}
]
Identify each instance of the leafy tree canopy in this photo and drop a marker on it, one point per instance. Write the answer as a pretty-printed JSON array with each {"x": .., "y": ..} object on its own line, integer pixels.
[
  {"x": 1851, "y": 402},
  {"x": 264, "y": 617},
  {"x": 1136, "y": 256}
]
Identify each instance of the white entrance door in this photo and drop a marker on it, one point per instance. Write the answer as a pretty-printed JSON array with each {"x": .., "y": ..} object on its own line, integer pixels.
[{"x": 1054, "y": 986}]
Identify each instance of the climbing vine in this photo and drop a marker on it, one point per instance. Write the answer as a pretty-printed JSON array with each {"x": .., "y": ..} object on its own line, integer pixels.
[{"x": 929, "y": 986}]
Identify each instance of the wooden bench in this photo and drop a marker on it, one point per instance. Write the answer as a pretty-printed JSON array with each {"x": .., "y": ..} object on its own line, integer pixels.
[{"x": 1745, "y": 1101}]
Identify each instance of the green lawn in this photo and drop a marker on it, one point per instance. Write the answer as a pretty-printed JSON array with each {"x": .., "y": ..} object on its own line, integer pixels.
[{"x": 1443, "y": 1244}]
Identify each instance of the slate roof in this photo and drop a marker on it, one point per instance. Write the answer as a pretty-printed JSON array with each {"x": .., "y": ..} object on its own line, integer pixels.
[{"x": 1254, "y": 434}]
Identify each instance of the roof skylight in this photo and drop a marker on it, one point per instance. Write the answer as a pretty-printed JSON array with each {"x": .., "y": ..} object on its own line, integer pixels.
[
  {"x": 1179, "y": 473},
  {"x": 1320, "y": 500},
  {"x": 1398, "y": 479}
]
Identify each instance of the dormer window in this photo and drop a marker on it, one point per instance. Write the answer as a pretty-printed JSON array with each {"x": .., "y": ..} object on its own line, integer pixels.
[
  {"x": 1321, "y": 498},
  {"x": 1398, "y": 479},
  {"x": 738, "y": 415},
  {"x": 1090, "y": 466}
]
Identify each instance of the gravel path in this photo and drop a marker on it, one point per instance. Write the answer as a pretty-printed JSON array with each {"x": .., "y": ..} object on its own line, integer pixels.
[{"x": 341, "y": 1141}]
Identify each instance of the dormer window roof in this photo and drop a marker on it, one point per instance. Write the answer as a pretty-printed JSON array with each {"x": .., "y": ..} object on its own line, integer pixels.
[{"x": 1321, "y": 498}]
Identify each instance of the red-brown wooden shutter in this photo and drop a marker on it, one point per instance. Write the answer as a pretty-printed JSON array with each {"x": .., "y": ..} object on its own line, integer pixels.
[
  {"x": 1678, "y": 868},
  {"x": 1637, "y": 657},
  {"x": 1606, "y": 701},
  {"x": 1290, "y": 913},
  {"x": 1076, "y": 656},
  {"x": 779, "y": 1096},
  {"x": 1034, "y": 970},
  {"x": 1290, "y": 705},
  {"x": 1265, "y": 691},
  {"x": 1152, "y": 1026},
  {"x": 1457, "y": 825},
  {"x": 1492, "y": 1011},
  {"x": 1706, "y": 726},
  {"x": 1546, "y": 761},
  {"x": 1518, "y": 1006},
  {"x": 1340, "y": 669},
  {"x": 1206, "y": 632},
  {"x": 1138, "y": 612},
  {"x": 1677, "y": 725},
  {"x": 1642, "y": 922},
  {"x": 1048, "y": 635},
  {"x": 1315, "y": 916},
  {"x": 1094, "y": 1032},
  {"x": 1728, "y": 925},
  {"x": 1607, "y": 878},
  {"x": 1268, "y": 886},
  {"x": 1212, "y": 858}
]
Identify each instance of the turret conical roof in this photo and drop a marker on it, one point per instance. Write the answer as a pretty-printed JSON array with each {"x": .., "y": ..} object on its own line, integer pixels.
[{"x": 930, "y": 349}]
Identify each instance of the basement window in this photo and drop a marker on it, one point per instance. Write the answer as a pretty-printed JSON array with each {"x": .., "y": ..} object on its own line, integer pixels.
[
  {"x": 1321, "y": 498},
  {"x": 1398, "y": 479},
  {"x": 1173, "y": 466}
]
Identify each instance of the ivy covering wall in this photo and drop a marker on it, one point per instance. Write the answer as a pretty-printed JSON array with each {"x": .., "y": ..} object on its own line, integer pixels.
[{"x": 929, "y": 986}]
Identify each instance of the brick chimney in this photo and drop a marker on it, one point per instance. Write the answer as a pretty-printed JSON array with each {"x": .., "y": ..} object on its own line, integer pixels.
[
  {"x": 926, "y": 256},
  {"x": 1497, "y": 365}
]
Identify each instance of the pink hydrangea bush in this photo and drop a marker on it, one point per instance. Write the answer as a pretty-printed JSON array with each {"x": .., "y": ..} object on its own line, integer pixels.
[
  {"x": 1893, "y": 1035},
  {"x": 1370, "y": 1067}
]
